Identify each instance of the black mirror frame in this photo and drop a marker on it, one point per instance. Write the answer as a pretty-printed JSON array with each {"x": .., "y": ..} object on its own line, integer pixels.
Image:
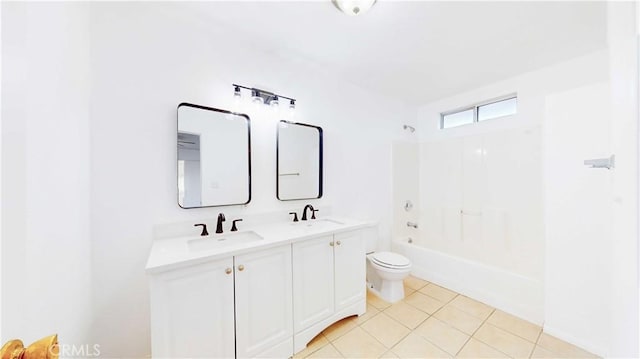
[
  {"x": 321, "y": 162},
  {"x": 186, "y": 104}
]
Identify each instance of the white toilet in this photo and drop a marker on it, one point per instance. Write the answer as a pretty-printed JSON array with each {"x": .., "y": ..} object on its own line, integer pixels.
[{"x": 385, "y": 272}]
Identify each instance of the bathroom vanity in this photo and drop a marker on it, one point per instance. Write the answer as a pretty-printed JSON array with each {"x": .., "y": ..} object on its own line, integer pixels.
[{"x": 260, "y": 293}]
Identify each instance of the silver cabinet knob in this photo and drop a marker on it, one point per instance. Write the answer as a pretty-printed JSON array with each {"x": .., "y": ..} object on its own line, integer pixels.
[
  {"x": 331, "y": 243},
  {"x": 228, "y": 270},
  {"x": 338, "y": 242},
  {"x": 241, "y": 268}
]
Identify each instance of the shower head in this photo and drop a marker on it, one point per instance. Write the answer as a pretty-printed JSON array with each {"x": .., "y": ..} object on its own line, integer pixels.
[{"x": 409, "y": 128}]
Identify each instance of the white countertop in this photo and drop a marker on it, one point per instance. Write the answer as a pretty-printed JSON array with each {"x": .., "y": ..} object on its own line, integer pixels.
[{"x": 171, "y": 253}]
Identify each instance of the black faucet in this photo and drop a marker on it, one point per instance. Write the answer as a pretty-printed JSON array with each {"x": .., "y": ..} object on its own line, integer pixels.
[
  {"x": 233, "y": 225},
  {"x": 304, "y": 211},
  {"x": 204, "y": 229},
  {"x": 219, "y": 225}
]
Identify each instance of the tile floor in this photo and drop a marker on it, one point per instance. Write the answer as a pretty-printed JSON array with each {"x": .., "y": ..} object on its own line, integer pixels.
[{"x": 434, "y": 322}]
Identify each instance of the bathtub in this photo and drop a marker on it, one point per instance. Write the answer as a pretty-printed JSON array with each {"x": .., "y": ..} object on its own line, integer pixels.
[{"x": 502, "y": 289}]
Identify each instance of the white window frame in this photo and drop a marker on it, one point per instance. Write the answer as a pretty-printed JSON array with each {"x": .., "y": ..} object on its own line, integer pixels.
[{"x": 475, "y": 108}]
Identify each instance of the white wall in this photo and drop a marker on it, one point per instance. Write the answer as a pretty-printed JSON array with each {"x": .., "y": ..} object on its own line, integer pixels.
[
  {"x": 578, "y": 217},
  {"x": 144, "y": 62},
  {"x": 519, "y": 256},
  {"x": 1, "y": 175},
  {"x": 601, "y": 249},
  {"x": 46, "y": 273},
  {"x": 623, "y": 58}
]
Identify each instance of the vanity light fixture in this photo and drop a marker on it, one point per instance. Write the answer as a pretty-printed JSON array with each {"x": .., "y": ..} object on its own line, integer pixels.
[
  {"x": 259, "y": 96},
  {"x": 353, "y": 7}
]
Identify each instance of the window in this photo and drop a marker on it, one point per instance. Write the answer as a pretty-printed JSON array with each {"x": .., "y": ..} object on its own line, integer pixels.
[
  {"x": 456, "y": 119},
  {"x": 484, "y": 111},
  {"x": 497, "y": 109}
]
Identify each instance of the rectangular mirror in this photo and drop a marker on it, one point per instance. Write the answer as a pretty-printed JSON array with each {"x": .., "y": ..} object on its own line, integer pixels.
[
  {"x": 214, "y": 157},
  {"x": 299, "y": 161}
]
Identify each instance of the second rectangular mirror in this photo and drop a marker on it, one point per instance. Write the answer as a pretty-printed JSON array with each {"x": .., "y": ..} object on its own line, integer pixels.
[{"x": 299, "y": 161}]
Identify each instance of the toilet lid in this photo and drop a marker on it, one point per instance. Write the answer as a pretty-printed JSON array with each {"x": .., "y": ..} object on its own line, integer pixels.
[{"x": 390, "y": 260}]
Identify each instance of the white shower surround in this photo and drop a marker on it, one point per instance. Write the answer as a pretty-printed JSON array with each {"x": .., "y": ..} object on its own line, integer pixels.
[{"x": 514, "y": 290}]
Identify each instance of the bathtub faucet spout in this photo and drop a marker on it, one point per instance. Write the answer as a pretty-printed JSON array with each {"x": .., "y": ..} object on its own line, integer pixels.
[{"x": 412, "y": 224}]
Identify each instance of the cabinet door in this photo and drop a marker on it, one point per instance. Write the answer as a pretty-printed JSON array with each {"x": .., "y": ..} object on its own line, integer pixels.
[
  {"x": 264, "y": 312},
  {"x": 350, "y": 268},
  {"x": 312, "y": 281},
  {"x": 192, "y": 312}
]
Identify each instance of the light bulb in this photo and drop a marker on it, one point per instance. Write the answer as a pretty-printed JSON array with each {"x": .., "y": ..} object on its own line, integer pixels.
[
  {"x": 292, "y": 110},
  {"x": 274, "y": 103},
  {"x": 256, "y": 97},
  {"x": 237, "y": 99}
]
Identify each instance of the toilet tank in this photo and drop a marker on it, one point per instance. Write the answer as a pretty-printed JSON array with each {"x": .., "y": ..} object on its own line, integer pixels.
[{"x": 371, "y": 238}]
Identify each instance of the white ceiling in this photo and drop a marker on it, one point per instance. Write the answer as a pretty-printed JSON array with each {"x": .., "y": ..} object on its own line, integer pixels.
[{"x": 420, "y": 51}]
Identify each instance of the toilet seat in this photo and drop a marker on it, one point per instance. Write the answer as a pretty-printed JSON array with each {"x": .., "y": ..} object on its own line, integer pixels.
[{"x": 390, "y": 260}]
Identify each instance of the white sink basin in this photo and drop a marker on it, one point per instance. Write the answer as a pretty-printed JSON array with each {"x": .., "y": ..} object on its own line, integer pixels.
[
  {"x": 223, "y": 240},
  {"x": 317, "y": 223}
]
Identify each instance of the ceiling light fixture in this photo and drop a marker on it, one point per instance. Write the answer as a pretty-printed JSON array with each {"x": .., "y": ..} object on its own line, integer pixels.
[
  {"x": 353, "y": 7},
  {"x": 259, "y": 96}
]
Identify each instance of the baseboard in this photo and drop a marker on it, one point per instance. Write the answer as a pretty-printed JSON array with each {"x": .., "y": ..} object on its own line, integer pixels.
[{"x": 504, "y": 290}]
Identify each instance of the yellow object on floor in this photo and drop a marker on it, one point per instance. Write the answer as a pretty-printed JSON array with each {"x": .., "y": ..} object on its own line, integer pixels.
[{"x": 45, "y": 348}]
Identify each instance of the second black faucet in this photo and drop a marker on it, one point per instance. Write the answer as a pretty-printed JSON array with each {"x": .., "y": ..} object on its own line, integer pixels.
[{"x": 313, "y": 212}]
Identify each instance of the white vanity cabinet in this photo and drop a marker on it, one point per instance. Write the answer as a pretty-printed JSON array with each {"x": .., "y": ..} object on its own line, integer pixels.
[
  {"x": 329, "y": 276},
  {"x": 261, "y": 299},
  {"x": 350, "y": 268},
  {"x": 192, "y": 311},
  {"x": 235, "y": 307},
  {"x": 313, "y": 286},
  {"x": 264, "y": 313}
]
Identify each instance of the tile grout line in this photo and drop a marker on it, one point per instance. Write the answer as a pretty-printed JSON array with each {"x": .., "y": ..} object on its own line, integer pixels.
[
  {"x": 396, "y": 343},
  {"x": 336, "y": 349},
  {"x": 535, "y": 343},
  {"x": 367, "y": 332},
  {"x": 474, "y": 333},
  {"x": 328, "y": 342},
  {"x": 537, "y": 340},
  {"x": 508, "y": 332},
  {"x": 410, "y": 330},
  {"x": 539, "y": 334}
]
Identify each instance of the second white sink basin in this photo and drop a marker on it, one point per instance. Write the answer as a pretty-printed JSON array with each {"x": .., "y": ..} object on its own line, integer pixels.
[{"x": 223, "y": 240}]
